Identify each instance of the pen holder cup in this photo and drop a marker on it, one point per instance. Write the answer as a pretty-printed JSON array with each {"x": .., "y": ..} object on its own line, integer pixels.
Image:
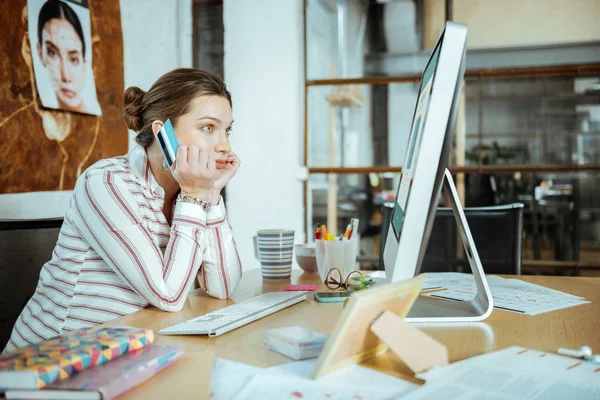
[{"x": 340, "y": 254}]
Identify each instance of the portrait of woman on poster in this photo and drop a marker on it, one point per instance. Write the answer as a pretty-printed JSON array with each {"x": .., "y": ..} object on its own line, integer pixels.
[{"x": 63, "y": 50}]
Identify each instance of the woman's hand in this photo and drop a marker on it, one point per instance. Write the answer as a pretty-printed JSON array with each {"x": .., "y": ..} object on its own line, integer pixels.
[
  {"x": 232, "y": 164},
  {"x": 195, "y": 171}
]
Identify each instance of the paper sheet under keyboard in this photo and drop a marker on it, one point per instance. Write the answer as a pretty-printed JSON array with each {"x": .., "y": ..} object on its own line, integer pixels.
[
  {"x": 513, "y": 373},
  {"x": 509, "y": 294}
]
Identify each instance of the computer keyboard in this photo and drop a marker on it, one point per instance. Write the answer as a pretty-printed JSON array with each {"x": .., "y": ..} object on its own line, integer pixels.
[{"x": 218, "y": 322}]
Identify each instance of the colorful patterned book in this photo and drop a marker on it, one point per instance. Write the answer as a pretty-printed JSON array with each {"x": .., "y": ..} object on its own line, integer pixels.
[
  {"x": 110, "y": 380},
  {"x": 59, "y": 358}
]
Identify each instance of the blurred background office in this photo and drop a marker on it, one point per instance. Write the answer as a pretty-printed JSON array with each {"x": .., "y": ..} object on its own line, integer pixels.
[{"x": 527, "y": 130}]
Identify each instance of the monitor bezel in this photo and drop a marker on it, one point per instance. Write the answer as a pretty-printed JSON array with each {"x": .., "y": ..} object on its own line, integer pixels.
[{"x": 403, "y": 256}]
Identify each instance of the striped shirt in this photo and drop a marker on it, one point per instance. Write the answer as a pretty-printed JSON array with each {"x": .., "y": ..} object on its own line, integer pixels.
[{"x": 117, "y": 254}]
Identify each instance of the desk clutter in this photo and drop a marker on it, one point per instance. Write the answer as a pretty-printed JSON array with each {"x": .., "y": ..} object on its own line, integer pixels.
[
  {"x": 510, "y": 374},
  {"x": 513, "y": 373},
  {"x": 336, "y": 252},
  {"x": 91, "y": 363},
  {"x": 509, "y": 294},
  {"x": 102, "y": 363}
]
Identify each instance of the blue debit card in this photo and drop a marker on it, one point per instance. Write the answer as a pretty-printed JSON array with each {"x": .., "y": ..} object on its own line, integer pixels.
[{"x": 168, "y": 142}]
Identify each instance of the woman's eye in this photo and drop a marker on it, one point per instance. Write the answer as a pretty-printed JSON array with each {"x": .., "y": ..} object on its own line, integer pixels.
[
  {"x": 207, "y": 128},
  {"x": 51, "y": 53},
  {"x": 229, "y": 131},
  {"x": 75, "y": 60}
]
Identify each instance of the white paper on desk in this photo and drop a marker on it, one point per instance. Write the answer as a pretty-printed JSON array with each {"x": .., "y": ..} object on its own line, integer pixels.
[
  {"x": 510, "y": 295},
  {"x": 281, "y": 387},
  {"x": 297, "y": 369},
  {"x": 513, "y": 373},
  {"x": 439, "y": 280},
  {"x": 229, "y": 377},
  {"x": 530, "y": 287},
  {"x": 352, "y": 373},
  {"x": 532, "y": 299}
]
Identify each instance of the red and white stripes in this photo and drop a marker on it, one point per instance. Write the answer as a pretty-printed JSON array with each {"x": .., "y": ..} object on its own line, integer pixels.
[{"x": 116, "y": 253}]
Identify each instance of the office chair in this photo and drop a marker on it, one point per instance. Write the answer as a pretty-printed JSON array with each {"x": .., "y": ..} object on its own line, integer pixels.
[
  {"x": 497, "y": 232},
  {"x": 25, "y": 245}
]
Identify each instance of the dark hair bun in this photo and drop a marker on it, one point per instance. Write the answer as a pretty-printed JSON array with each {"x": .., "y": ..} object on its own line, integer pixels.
[{"x": 133, "y": 108}]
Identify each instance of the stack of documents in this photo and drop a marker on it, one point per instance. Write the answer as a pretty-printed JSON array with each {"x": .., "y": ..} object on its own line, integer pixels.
[
  {"x": 509, "y": 374},
  {"x": 513, "y": 373},
  {"x": 509, "y": 294}
]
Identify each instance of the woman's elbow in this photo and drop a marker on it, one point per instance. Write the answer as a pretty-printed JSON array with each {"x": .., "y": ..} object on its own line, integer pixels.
[
  {"x": 170, "y": 307},
  {"x": 219, "y": 295},
  {"x": 223, "y": 295}
]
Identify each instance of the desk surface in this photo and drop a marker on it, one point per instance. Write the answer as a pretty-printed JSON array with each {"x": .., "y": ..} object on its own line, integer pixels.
[{"x": 572, "y": 327}]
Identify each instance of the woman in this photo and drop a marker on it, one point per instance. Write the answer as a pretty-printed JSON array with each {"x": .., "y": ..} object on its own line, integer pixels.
[
  {"x": 61, "y": 48},
  {"x": 137, "y": 234}
]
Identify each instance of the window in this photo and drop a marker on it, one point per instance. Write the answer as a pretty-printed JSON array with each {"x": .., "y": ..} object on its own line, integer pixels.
[{"x": 530, "y": 132}]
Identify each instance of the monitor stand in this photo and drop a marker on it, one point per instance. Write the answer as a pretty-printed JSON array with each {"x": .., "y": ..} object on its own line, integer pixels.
[{"x": 477, "y": 309}]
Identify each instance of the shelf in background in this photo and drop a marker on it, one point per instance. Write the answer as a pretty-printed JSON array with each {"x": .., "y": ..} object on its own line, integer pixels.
[
  {"x": 540, "y": 97},
  {"x": 547, "y": 264},
  {"x": 504, "y": 135},
  {"x": 506, "y": 58},
  {"x": 484, "y": 170},
  {"x": 525, "y": 264},
  {"x": 504, "y": 73},
  {"x": 525, "y": 135}
]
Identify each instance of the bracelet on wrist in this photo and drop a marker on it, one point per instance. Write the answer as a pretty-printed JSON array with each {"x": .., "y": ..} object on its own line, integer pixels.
[{"x": 186, "y": 198}]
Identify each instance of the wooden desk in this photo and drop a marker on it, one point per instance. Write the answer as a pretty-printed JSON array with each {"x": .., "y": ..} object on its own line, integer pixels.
[{"x": 572, "y": 327}]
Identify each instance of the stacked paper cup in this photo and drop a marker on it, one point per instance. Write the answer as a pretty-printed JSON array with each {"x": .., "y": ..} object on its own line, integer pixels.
[{"x": 275, "y": 252}]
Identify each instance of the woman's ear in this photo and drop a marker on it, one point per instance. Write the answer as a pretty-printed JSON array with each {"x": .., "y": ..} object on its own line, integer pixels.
[{"x": 156, "y": 126}]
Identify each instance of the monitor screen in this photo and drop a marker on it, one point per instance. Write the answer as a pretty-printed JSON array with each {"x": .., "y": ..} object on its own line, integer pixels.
[{"x": 406, "y": 178}]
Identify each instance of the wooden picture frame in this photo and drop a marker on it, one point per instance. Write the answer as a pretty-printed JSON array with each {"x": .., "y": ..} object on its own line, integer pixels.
[{"x": 352, "y": 340}]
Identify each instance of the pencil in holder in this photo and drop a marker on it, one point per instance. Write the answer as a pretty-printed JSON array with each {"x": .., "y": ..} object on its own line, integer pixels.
[{"x": 340, "y": 254}]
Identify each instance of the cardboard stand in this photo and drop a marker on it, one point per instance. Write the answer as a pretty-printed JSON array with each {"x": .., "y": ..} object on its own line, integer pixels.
[
  {"x": 415, "y": 348},
  {"x": 372, "y": 322}
]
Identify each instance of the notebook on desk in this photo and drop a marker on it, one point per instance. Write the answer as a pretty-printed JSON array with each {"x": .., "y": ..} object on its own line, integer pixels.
[
  {"x": 109, "y": 380},
  {"x": 62, "y": 357}
]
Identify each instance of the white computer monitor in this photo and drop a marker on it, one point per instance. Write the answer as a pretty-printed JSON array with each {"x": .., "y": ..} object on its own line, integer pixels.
[
  {"x": 427, "y": 155},
  {"x": 423, "y": 174}
]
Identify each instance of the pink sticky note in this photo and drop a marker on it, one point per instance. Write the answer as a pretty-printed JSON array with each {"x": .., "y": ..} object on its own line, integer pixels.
[{"x": 296, "y": 288}]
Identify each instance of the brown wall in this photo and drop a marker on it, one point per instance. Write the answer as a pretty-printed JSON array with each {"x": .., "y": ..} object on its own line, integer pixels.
[{"x": 29, "y": 160}]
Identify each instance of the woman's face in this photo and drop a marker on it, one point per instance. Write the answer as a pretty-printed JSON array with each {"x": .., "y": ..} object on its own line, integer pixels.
[
  {"x": 207, "y": 126},
  {"x": 61, "y": 52}
]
